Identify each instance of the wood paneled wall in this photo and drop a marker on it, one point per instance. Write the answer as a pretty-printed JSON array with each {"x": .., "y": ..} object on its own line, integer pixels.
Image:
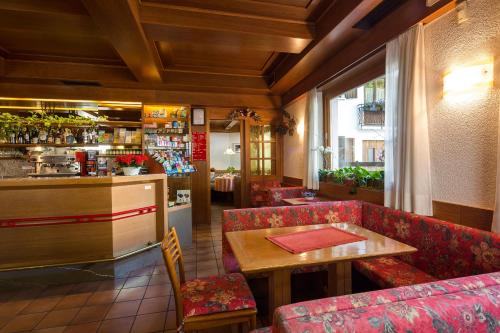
[{"x": 474, "y": 217}]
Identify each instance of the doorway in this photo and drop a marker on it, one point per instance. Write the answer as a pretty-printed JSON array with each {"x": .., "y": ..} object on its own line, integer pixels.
[{"x": 226, "y": 162}]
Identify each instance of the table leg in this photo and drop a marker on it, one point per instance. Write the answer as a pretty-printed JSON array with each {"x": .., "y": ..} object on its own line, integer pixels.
[
  {"x": 279, "y": 290},
  {"x": 339, "y": 279}
]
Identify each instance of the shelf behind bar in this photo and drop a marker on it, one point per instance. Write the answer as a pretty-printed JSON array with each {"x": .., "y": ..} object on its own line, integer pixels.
[{"x": 22, "y": 145}]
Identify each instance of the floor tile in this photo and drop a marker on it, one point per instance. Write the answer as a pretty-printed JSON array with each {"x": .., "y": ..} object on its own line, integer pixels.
[
  {"x": 131, "y": 294},
  {"x": 73, "y": 301},
  {"x": 123, "y": 309},
  {"x": 43, "y": 304},
  {"x": 120, "y": 325},
  {"x": 137, "y": 281},
  {"x": 111, "y": 284},
  {"x": 103, "y": 297},
  {"x": 58, "y": 318},
  {"x": 158, "y": 290},
  {"x": 159, "y": 279},
  {"x": 153, "y": 322},
  {"x": 59, "y": 329},
  {"x": 83, "y": 328},
  {"x": 170, "y": 322},
  {"x": 91, "y": 313},
  {"x": 150, "y": 305},
  {"x": 23, "y": 322}
]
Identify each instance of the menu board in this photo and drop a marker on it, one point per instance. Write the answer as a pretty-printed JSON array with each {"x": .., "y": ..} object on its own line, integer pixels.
[{"x": 199, "y": 146}]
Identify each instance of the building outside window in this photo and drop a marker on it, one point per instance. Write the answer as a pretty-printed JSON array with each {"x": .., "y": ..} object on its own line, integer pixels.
[{"x": 357, "y": 126}]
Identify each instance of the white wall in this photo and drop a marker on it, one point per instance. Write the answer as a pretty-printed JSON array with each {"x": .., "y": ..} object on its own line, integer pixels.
[
  {"x": 293, "y": 156},
  {"x": 344, "y": 120},
  {"x": 219, "y": 142},
  {"x": 463, "y": 129}
]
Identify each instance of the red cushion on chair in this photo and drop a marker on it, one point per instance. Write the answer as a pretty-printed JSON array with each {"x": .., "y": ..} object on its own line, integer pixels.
[
  {"x": 216, "y": 294},
  {"x": 390, "y": 272}
]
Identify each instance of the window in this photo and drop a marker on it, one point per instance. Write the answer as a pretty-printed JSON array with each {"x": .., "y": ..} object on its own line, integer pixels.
[
  {"x": 374, "y": 91},
  {"x": 262, "y": 150},
  {"x": 357, "y": 127}
]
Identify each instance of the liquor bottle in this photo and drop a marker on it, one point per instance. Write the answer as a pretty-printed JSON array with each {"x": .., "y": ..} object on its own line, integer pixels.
[
  {"x": 58, "y": 137},
  {"x": 20, "y": 136},
  {"x": 85, "y": 136},
  {"x": 50, "y": 136},
  {"x": 12, "y": 137},
  {"x": 42, "y": 136},
  {"x": 27, "y": 137},
  {"x": 34, "y": 135}
]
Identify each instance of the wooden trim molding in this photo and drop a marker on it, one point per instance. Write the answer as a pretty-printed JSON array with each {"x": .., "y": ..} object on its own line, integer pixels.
[
  {"x": 291, "y": 181},
  {"x": 474, "y": 217}
]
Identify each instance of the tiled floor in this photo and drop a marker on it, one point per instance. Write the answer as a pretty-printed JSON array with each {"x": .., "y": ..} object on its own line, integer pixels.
[{"x": 132, "y": 295}]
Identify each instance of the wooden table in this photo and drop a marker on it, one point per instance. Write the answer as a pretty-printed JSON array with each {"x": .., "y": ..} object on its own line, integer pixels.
[
  {"x": 300, "y": 201},
  {"x": 255, "y": 254}
]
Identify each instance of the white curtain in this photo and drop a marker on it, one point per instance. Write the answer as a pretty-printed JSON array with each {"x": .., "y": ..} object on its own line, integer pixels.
[
  {"x": 314, "y": 139},
  {"x": 495, "y": 226},
  {"x": 407, "y": 162}
]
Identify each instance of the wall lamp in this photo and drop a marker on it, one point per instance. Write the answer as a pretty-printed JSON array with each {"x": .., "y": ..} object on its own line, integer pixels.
[{"x": 468, "y": 79}]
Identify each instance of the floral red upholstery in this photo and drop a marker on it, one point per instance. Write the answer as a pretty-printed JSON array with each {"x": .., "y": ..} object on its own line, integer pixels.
[
  {"x": 445, "y": 250},
  {"x": 470, "y": 304},
  {"x": 276, "y": 195},
  {"x": 389, "y": 272},
  {"x": 259, "y": 193},
  {"x": 285, "y": 216},
  {"x": 216, "y": 294}
]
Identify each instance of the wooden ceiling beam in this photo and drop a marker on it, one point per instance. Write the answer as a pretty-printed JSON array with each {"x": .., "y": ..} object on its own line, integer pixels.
[
  {"x": 46, "y": 6},
  {"x": 173, "y": 34},
  {"x": 248, "y": 7},
  {"x": 223, "y": 21},
  {"x": 8, "y": 89},
  {"x": 66, "y": 71},
  {"x": 53, "y": 23},
  {"x": 408, "y": 14},
  {"x": 334, "y": 30},
  {"x": 121, "y": 76},
  {"x": 119, "y": 21}
]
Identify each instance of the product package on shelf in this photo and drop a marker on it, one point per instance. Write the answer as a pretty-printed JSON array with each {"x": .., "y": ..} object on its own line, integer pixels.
[{"x": 173, "y": 162}]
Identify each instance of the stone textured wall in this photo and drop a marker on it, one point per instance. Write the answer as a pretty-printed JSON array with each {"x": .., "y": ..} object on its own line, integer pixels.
[{"x": 463, "y": 129}]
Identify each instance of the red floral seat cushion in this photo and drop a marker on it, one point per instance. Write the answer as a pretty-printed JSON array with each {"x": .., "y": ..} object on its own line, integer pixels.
[
  {"x": 390, "y": 272},
  {"x": 216, "y": 294}
]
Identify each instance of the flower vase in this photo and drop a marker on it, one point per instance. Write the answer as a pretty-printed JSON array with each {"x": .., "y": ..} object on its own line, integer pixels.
[{"x": 131, "y": 171}]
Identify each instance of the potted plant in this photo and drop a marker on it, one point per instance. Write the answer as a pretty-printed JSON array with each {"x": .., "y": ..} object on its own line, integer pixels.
[{"x": 131, "y": 164}]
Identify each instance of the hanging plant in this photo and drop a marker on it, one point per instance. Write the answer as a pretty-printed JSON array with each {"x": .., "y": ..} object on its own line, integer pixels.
[
  {"x": 287, "y": 124},
  {"x": 245, "y": 113}
]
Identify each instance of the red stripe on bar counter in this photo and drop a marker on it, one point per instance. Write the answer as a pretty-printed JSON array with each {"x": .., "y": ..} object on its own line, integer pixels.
[{"x": 76, "y": 219}]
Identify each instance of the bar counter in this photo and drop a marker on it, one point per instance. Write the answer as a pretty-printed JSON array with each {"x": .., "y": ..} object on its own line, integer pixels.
[{"x": 55, "y": 221}]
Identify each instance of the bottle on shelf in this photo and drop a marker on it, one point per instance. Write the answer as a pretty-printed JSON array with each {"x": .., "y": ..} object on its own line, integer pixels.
[
  {"x": 50, "y": 136},
  {"x": 43, "y": 136},
  {"x": 34, "y": 135},
  {"x": 20, "y": 137},
  {"x": 27, "y": 136},
  {"x": 12, "y": 137}
]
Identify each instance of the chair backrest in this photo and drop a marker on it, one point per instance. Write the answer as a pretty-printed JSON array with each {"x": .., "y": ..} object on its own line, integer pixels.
[{"x": 172, "y": 255}]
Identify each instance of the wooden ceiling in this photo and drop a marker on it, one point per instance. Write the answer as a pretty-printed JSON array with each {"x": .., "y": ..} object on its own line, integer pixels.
[{"x": 259, "y": 47}]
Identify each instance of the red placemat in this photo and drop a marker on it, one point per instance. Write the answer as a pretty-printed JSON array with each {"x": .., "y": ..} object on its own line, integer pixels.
[{"x": 303, "y": 241}]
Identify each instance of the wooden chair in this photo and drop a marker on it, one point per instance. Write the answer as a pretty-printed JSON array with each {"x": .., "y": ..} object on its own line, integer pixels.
[{"x": 206, "y": 302}]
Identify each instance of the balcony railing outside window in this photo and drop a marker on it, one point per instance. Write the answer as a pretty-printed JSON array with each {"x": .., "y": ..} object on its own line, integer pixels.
[{"x": 371, "y": 114}]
